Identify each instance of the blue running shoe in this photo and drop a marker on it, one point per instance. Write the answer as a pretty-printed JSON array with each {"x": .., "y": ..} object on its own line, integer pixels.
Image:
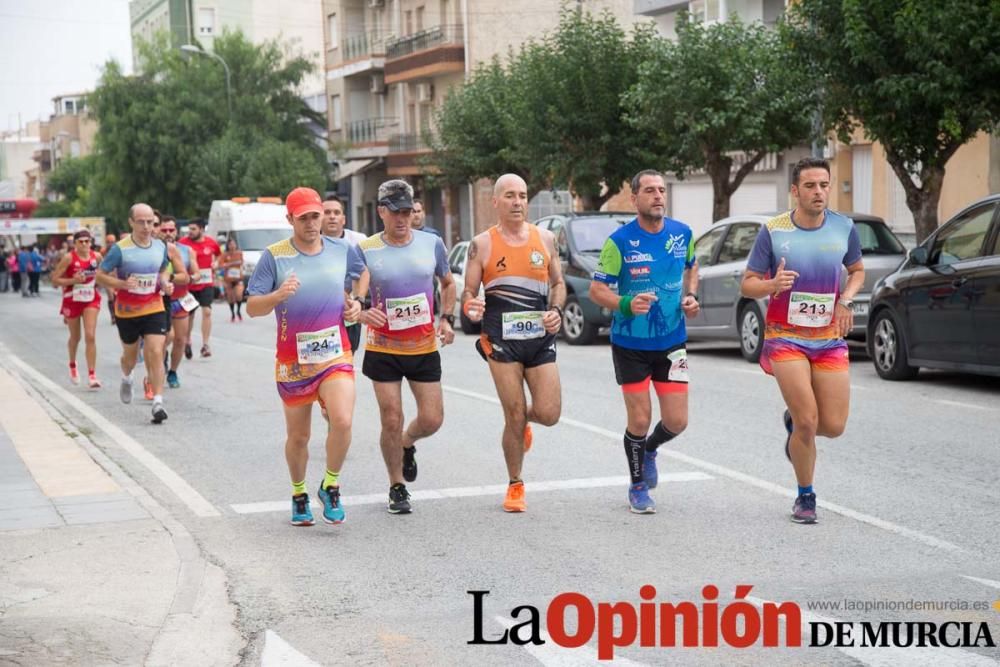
[
  {"x": 788, "y": 427},
  {"x": 333, "y": 511},
  {"x": 173, "y": 380},
  {"x": 301, "y": 512},
  {"x": 804, "y": 510},
  {"x": 639, "y": 500},
  {"x": 649, "y": 473}
]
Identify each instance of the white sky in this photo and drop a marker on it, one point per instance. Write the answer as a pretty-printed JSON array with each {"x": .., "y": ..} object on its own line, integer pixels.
[{"x": 54, "y": 47}]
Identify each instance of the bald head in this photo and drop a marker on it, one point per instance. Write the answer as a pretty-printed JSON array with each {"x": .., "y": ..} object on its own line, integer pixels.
[
  {"x": 140, "y": 210},
  {"x": 510, "y": 199},
  {"x": 507, "y": 181}
]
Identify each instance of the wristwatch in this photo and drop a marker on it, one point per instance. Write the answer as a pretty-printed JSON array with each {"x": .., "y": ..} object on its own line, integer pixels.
[
  {"x": 847, "y": 303},
  {"x": 450, "y": 319},
  {"x": 692, "y": 295}
]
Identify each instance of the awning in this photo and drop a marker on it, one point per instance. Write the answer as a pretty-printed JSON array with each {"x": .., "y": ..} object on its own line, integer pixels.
[{"x": 351, "y": 167}]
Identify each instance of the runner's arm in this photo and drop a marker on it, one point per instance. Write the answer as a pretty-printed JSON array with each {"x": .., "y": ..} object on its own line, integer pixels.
[
  {"x": 855, "y": 280},
  {"x": 60, "y": 269},
  {"x": 479, "y": 247},
  {"x": 557, "y": 286},
  {"x": 448, "y": 289},
  {"x": 180, "y": 276},
  {"x": 691, "y": 280}
]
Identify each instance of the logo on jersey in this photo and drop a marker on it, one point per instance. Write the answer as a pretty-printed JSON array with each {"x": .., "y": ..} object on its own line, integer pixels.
[
  {"x": 634, "y": 242},
  {"x": 786, "y": 246},
  {"x": 634, "y": 256},
  {"x": 675, "y": 244},
  {"x": 536, "y": 259},
  {"x": 502, "y": 263},
  {"x": 639, "y": 271}
]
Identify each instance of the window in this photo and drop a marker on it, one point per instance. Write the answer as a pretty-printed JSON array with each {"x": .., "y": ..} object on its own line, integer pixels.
[
  {"x": 420, "y": 18},
  {"x": 876, "y": 239},
  {"x": 738, "y": 242},
  {"x": 68, "y": 106},
  {"x": 963, "y": 239},
  {"x": 332, "y": 33},
  {"x": 705, "y": 247},
  {"x": 704, "y": 10},
  {"x": 336, "y": 118},
  {"x": 206, "y": 21},
  {"x": 445, "y": 13},
  {"x": 409, "y": 22}
]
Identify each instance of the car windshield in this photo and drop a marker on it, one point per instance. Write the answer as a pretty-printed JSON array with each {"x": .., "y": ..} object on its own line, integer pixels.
[
  {"x": 258, "y": 239},
  {"x": 590, "y": 233},
  {"x": 877, "y": 239}
]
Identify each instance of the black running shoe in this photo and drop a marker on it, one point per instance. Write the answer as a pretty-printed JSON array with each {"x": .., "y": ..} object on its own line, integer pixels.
[
  {"x": 399, "y": 499},
  {"x": 788, "y": 427},
  {"x": 159, "y": 414},
  {"x": 410, "y": 463},
  {"x": 188, "y": 353}
]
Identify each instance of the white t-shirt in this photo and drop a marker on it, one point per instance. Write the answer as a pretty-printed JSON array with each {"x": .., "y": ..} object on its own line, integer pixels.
[{"x": 352, "y": 237}]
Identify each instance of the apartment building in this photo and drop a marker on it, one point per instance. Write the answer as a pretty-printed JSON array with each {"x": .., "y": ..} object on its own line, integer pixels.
[
  {"x": 864, "y": 182},
  {"x": 389, "y": 65},
  {"x": 69, "y": 132}
]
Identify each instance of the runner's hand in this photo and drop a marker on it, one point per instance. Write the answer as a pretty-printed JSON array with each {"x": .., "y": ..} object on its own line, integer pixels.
[
  {"x": 690, "y": 306},
  {"x": 374, "y": 317},
  {"x": 641, "y": 303},
  {"x": 131, "y": 283},
  {"x": 168, "y": 288},
  {"x": 551, "y": 321},
  {"x": 783, "y": 278},
  {"x": 352, "y": 310},
  {"x": 79, "y": 278},
  {"x": 445, "y": 333},
  {"x": 288, "y": 288},
  {"x": 844, "y": 319},
  {"x": 474, "y": 308}
]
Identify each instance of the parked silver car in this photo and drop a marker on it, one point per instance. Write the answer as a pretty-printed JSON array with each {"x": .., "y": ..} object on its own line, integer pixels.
[{"x": 722, "y": 258}]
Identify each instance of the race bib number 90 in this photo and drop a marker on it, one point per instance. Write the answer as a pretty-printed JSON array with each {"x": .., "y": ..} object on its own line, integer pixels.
[
  {"x": 523, "y": 326},
  {"x": 318, "y": 347},
  {"x": 83, "y": 293},
  {"x": 809, "y": 309},
  {"x": 407, "y": 312},
  {"x": 145, "y": 283}
]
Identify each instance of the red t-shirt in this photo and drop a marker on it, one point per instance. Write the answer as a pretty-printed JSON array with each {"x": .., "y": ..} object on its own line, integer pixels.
[
  {"x": 87, "y": 290},
  {"x": 205, "y": 251}
]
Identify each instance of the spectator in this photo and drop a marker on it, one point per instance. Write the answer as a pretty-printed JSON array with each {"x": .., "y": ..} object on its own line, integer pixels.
[
  {"x": 4, "y": 275},
  {"x": 14, "y": 270},
  {"x": 36, "y": 261}
]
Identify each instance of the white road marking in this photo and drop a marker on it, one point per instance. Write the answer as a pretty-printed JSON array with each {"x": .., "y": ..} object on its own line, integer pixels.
[
  {"x": 985, "y": 582},
  {"x": 551, "y": 654},
  {"x": 747, "y": 479},
  {"x": 279, "y": 653},
  {"x": 184, "y": 491},
  {"x": 956, "y": 404},
  {"x": 890, "y": 656},
  {"x": 471, "y": 491}
]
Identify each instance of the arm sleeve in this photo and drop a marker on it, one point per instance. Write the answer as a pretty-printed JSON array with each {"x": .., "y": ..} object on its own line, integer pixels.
[
  {"x": 441, "y": 267},
  {"x": 853, "y": 247},
  {"x": 690, "y": 261},
  {"x": 263, "y": 279},
  {"x": 609, "y": 266},
  {"x": 112, "y": 260},
  {"x": 761, "y": 258}
]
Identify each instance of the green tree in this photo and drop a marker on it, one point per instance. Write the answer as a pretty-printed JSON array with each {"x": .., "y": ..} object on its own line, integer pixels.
[
  {"x": 720, "y": 91},
  {"x": 71, "y": 180},
  {"x": 919, "y": 77},
  {"x": 166, "y": 136}
]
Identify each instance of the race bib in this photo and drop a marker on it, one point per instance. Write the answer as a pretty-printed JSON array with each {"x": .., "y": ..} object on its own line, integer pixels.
[
  {"x": 234, "y": 273},
  {"x": 204, "y": 277},
  {"x": 318, "y": 347},
  {"x": 145, "y": 283},
  {"x": 83, "y": 293},
  {"x": 407, "y": 312},
  {"x": 809, "y": 309},
  {"x": 523, "y": 325},
  {"x": 678, "y": 366},
  {"x": 188, "y": 302}
]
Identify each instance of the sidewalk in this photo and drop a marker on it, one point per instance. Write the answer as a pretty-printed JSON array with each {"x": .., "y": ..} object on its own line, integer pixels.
[{"x": 92, "y": 569}]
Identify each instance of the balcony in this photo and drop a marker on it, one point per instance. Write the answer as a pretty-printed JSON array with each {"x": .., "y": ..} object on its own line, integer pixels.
[
  {"x": 371, "y": 130},
  {"x": 430, "y": 52},
  {"x": 358, "y": 53},
  {"x": 407, "y": 155}
]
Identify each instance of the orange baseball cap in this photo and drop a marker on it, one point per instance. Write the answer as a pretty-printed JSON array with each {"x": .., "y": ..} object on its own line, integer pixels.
[{"x": 303, "y": 200}]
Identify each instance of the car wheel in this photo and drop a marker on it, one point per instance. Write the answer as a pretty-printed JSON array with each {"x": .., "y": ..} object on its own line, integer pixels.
[
  {"x": 468, "y": 326},
  {"x": 751, "y": 331},
  {"x": 576, "y": 329},
  {"x": 888, "y": 349}
]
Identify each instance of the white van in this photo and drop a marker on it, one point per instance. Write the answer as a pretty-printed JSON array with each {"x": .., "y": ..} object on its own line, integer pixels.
[{"x": 254, "y": 224}]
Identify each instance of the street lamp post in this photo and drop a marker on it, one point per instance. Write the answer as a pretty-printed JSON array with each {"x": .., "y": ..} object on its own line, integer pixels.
[{"x": 191, "y": 48}]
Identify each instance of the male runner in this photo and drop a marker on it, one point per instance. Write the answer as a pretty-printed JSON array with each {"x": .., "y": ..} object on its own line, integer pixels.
[
  {"x": 202, "y": 286},
  {"x": 305, "y": 281},
  {"x": 518, "y": 264},
  {"x": 804, "y": 252},
  {"x": 76, "y": 273},
  {"x": 402, "y": 339},
  {"x": 651, "y": 260},
  {"x": 181, "y": 302},
  {"x": 136, "y": 268},
  {"x": 335, "y": 227}
]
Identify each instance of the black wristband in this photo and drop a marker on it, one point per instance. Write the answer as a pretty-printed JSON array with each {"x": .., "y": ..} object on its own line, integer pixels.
[
  {"x": 450, "y": 319},
  {"x": 692, "y": 295},
  {"x": 558, "y": 309}
]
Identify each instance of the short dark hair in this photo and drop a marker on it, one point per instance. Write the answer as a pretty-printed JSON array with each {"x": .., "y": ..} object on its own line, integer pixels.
[
  {"x": 333, "y": 197},
  {"x": 198, "y": 221},
  {"x": 809, "y": 163},
  {"x": 418, "y": 200},
  {"x": 166, "y": 217},
  {"x": 638, "y": 177}
]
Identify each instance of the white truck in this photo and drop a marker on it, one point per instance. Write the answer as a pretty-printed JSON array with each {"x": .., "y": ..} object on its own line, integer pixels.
[{"x": 255, "y": 224}]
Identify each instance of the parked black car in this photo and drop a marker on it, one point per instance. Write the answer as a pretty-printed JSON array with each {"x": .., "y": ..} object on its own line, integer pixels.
[
  {"x": 579, "y": 238},
  {"x": 941, "y": 307}
]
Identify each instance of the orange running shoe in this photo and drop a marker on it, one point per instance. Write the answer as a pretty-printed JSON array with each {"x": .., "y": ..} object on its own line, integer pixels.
[
  {"x": 514, "y": 502},
  {"x": 528, "y": 437},
  {"x": 147, "y": 389}
]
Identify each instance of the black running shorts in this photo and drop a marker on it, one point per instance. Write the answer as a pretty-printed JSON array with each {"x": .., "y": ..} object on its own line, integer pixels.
[
  {"x": 130, "y": 329},
  {"x": 633, "y": 366},
  {"x": 530, "y": 353},
  {"x": 205, "y": 296},
  {"x": 386, "y": 367}
]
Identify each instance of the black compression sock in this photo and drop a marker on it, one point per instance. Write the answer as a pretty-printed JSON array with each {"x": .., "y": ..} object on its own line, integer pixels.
[
  {"x": 633, "y": 452},
  {"x": 659, "y": 436}
]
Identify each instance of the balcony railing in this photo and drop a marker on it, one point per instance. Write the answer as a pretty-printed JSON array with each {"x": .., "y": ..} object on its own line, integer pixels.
[
  {"x": 363, "y": 44},
  {"x": 425, "y": 39},
  {"x": 407, "y": 143},
  {"x": 370, "y": 130}
]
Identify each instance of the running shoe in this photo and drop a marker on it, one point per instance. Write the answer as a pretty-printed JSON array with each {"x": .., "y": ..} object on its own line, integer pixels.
[
  {"x": 399, "y": 499},
  {"x": 232, "y": 318},
  {"x": 147, "y": 389},
  {"x": 804, "y": 510},
  {"x": 159, "y": 414},
  {"x": 410, "y": 463},
  {"x": 514, "y": 502},
  {"x": 639, "y": 500},
  {"x": 239, "y": 316},
  {"x": 125, "y": 390},
  {"x": 301, "y": 512},
  {"x": 788, "y": 427},
  {"x": 187, "y": 351},
  {"x": 528, "y": 437},
  {"x": 649, "y": 473},
  {"x": 205, "y": 352},
  {"x": 333, "y": 511},
  {"x": 93, "y": 382},
  {"x": 74, "y": 375},
  {"x": 172, "y": 380}
]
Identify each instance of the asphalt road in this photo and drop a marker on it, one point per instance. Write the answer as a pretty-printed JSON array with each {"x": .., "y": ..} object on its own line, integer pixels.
[{"x": 908, "y": 505}]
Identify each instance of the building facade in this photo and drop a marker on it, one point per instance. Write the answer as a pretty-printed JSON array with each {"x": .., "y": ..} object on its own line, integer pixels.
[{"x": 69, "y": 132}]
